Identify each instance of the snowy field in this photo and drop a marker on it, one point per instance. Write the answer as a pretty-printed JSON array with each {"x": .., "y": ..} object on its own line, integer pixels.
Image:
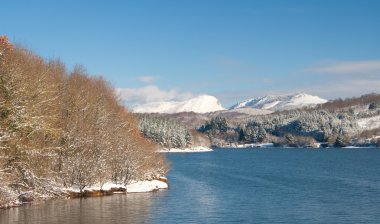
[{"x": 369, "y": 123}]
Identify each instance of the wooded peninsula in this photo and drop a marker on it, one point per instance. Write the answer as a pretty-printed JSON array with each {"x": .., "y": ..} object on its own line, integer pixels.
[{"x": 63, "y": 128}]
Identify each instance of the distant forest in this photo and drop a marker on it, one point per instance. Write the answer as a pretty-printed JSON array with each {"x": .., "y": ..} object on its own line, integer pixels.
[
  {"x": 334, "y": 122},
  {"x": 167, "y": 132}
]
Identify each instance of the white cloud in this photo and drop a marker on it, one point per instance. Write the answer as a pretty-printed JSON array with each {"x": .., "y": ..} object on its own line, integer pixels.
[
  {"x": 147, "y": 78},
  {"x": 347, "y": 67},
  {"x": 338, "y": 79},
  {"x": 347, "y": 88},
  {"x": 149, "y": 94}
]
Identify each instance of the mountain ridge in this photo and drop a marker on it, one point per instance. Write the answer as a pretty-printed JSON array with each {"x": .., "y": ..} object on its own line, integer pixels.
[
  {"x": 280, "y": 102},
  {"x": 199, "y": 104},
  {"x": 209, "y": 104}
]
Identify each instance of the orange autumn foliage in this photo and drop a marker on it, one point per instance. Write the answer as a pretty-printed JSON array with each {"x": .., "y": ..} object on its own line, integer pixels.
[
  {"x": 5, "y": 46},
  {"x": 60, "y": 128}
]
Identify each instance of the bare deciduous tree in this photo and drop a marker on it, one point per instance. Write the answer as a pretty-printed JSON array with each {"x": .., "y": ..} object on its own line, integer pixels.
[{"x": 64, "y": 129}]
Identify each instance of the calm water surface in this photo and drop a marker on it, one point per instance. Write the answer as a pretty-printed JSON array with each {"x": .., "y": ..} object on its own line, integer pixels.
[{"x": 238, "y": 186}]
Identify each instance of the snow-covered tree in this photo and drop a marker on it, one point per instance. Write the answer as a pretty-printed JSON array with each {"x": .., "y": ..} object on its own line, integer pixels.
[
  {"x": 165, "y": 131},
  {"x": 61, "y": 129}
]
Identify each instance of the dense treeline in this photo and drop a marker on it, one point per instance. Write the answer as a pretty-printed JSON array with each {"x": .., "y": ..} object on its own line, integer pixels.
[
  {"x": 164, "y": 131},
  {"x": 373, "y": 100},
  {"x": 335, "y": 123},
  {"x": 61, "y": 128},
  {"x": 319, "y": 125},
  {"x": 216, "y": 124},
  {"x": 219, "y": 131}
]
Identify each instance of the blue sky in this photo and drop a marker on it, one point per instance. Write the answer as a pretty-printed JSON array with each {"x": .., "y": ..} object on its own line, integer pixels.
[{"x": 232, "y": 49}]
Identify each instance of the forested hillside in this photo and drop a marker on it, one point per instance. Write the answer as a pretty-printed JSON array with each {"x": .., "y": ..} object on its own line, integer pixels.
[
  {"x": 164, "y": 131},
  {"x": 353, "y": 121},
  {"x": 61, "y": 128}
]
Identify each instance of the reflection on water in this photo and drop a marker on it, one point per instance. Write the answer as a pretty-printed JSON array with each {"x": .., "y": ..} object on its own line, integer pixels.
[
  {"x": 237, "y": 186},
  {"x": 119, "y": 208}
]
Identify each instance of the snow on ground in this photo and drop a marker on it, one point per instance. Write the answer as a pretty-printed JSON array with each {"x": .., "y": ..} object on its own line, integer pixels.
[
  {"x": 248, "y": 110},
  {"x": 253, "y": 145},
  {"x": 134, "y": 187},
  {"x": 369, "y": 123},
  {"x": 193, "y": 149},
  {"x": 10, "y": 196},
  {"x": 146, "y": 186},
  {"x": 270, "y": 105},
  {"x": 358, "y": 147},
  {"x": 281, "y": 102},
  {"x": 305, "y": 99}
]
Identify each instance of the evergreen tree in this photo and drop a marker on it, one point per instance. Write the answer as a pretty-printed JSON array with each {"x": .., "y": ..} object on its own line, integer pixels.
[
  {"x": 341, "y": 141},
  {"x": 166, "y": 132}
]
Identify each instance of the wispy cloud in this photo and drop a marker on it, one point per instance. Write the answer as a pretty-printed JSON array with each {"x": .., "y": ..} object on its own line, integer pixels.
[
  {"x": 229, "y": 62},
  {"x": 233, "y": 63},
  {"x": 347, "y": 67},
  {"x": 346, "y": 88},
  {"x": 147, "y": 78},
  {"x": 150, "y": 93},
  {"x": 330, "y": 80},
  {"x": 340, "y": 78}
]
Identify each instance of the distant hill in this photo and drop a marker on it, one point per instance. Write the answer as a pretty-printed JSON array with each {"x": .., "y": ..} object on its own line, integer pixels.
[
  {"x": 254, "y": 106},
  {"x": 280, "y": 102},
  {"x": 199, "y": 104},
  {"x": 352, "y": 121},
  {"x": 341, "y": 122}
]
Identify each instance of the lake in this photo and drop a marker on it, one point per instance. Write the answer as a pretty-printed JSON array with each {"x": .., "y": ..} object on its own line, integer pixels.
[{"x": 238, "y": 186}]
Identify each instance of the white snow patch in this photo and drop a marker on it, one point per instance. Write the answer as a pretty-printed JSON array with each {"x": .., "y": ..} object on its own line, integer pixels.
[
  {"x": 193, "y": 149},
  {"x": 134, "y": 187},
  {"x": 109, "y": 185},
  {"x": 369, "y": 123},
  {"x": 358, "y": 147},
  {"x": 146, "y": 186},
  {"x": 270, "y": 105},
  {"x": 305, "y": 99},
  {"x": 199, "y": 104},
  {"x": 250, "y": 111},
  {"x": 281, "y": 102},
  {"x": 252, "y": 145}
]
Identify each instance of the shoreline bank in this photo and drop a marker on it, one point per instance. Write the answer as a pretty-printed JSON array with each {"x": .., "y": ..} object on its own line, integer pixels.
[
  {"x": 107, "y": 189},
  {"x": 187, "y": 150}
]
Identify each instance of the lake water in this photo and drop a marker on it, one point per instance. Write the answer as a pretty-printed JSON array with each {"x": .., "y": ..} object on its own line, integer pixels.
[{"x": 238, "y": 186}]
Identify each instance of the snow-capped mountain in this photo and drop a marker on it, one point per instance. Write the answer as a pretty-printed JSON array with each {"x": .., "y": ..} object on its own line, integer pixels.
[
  {"x": 199, "y": 104},
  {"x": 281, "y": 102}
]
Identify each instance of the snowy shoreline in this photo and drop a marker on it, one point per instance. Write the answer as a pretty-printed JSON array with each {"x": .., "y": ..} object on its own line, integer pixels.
[
  {"x": 143, "y": 186},
  {"x": 193, "y": 149},
  {"x": 252, "y": 145},
  {"x": 271, "y": 145},
  {"x": 96, "y": 190}
]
